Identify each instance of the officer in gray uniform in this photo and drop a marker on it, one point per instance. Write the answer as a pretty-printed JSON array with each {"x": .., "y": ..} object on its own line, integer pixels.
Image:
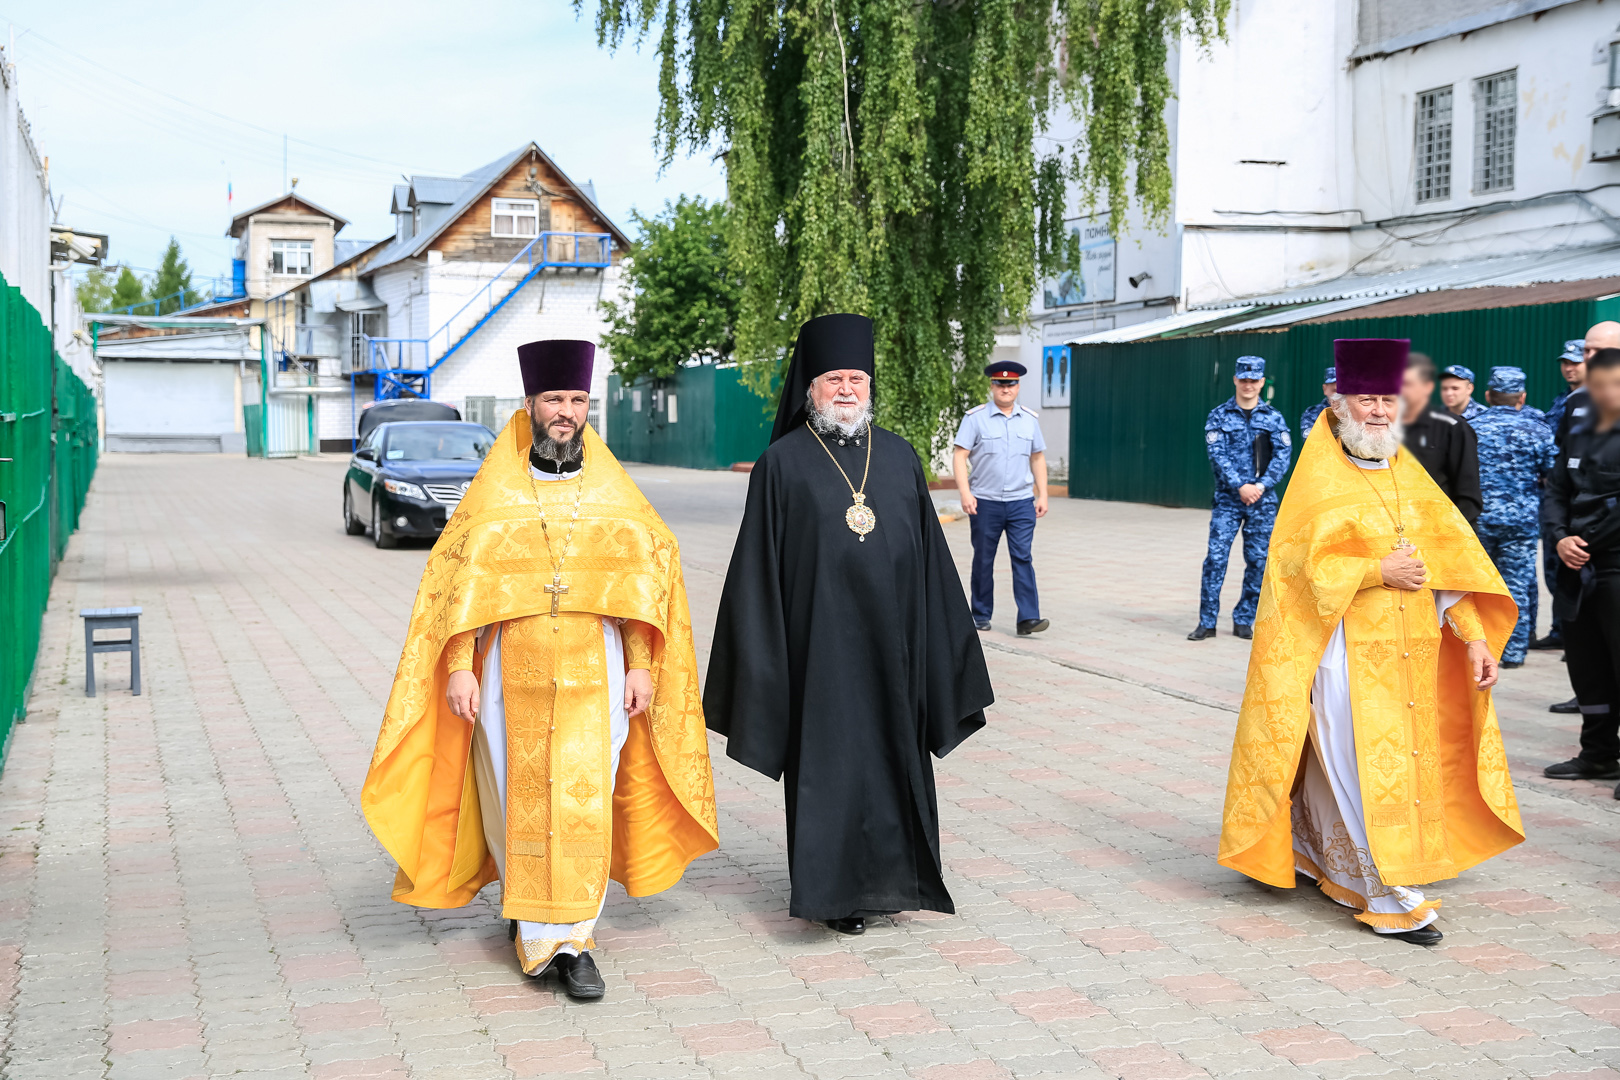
[
  {"x": 1005, "y": 492},
  {"x": 1248, "y": 448},
  {"x": 1307, "y": 419},
  {"x": 1515, "y": 451}
]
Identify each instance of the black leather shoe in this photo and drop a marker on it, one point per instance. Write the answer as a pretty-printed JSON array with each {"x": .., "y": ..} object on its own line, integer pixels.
[
  {"x": 1242, "y": 631},
  {"x": 985, "y": 625},
  {"x": 855, "y": 924},
  {"x": 1551, "y": 641},
  {"x": 578, "y": 975},
  {"x": 511, "y": 929},
  {"x": 1423, "y": 935},
  {"x": 1581, "y": 769},
  {"x": 1573, "y": 705},
  {"x": 1509, "y": 665},
  {"x": 1032, "y": 626},
  {"x": 1201, "y": 633}
]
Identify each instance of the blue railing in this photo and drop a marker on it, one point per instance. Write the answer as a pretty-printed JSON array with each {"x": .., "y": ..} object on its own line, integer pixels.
[
  {"x": 405, "y": 366},
  {"x": 210, "y": 295}
]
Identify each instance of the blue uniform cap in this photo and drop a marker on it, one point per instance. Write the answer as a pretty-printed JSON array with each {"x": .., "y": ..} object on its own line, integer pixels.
[
  {"x": 1574, "y": 351},
  {"x": 1457, "y": 371},
  {"x": 1507, "y": 380},
  {"x": 1006, "y": 369},
  {"x": 1251, "y": 367},
  {"x": 1329, "y": 375}
]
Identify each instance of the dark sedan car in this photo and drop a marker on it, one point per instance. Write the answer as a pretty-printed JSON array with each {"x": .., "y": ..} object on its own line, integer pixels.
[{"x": 406, "y": 478}]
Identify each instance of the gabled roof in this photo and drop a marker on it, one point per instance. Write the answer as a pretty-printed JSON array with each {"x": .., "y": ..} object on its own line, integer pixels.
[
  {"x": 240, "y": 220},
  {"x": 475, "y": 185}
]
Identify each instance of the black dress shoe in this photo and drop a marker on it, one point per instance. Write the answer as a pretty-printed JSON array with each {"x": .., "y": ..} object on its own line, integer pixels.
[
  {"x": 978, "y": 625},
  {"x": 1423, "y": 935},
  {"x": 1573, "y": 705},
  {"x": 1201, "y": 633},
  {"x": 1581, "y": 769},
  {"x": 855, "y": 924},
  {"x": 1551, "y": 641},
  {"x": 1509, "y": 665},
  {"x": 578, "y": 975},
  {"x": 1032, "y": 626},
  {"x": 1243, "y": 631},
  {"x": 511, "y": 929}
]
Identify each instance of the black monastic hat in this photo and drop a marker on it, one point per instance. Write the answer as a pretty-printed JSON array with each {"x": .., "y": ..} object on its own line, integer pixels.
[{"x": 827, "y": 343}]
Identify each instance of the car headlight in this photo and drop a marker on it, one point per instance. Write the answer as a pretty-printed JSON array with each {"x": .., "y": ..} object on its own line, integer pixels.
[{"x": 400, "y": 487}]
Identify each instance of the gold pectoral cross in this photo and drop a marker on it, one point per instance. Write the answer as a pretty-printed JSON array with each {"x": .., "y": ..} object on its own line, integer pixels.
[{"x": 556, "y": 589}]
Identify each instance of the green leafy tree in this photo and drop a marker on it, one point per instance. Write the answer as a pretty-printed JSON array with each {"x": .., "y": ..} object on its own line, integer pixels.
[
  {"x": 95, "y": 291},
  {"x": 128, "y": 290},
  {"x": 882, "y": 156},
  {"x": 683, "y": 293},
  {"x": 173, "y": 277}
]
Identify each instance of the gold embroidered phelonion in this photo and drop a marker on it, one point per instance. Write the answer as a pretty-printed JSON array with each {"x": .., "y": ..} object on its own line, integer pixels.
[{"x": 860, "y": 518}]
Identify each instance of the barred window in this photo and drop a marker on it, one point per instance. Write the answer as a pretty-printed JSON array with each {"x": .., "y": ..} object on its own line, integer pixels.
[
  {"x": 1434, "y": 144},
  {"x": 1496, "y": 113}
]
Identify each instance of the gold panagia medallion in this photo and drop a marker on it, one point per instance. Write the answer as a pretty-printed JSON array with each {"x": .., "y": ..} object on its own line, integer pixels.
[{"x": 860, "y": 518}]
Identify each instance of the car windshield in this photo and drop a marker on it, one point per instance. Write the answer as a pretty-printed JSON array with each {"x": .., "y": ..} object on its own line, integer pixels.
[{"x": 438, "y": 442}]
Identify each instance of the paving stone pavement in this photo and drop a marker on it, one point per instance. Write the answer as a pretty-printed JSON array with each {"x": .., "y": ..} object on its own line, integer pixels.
[{"x": 188, "y": 889}]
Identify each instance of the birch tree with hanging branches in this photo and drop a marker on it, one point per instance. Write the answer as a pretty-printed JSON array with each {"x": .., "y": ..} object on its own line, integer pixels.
[{"x": 881, "y": 157}]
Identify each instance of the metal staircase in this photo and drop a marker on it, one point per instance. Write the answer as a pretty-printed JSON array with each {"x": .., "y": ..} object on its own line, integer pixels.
[{"x": 402, "y": 366}]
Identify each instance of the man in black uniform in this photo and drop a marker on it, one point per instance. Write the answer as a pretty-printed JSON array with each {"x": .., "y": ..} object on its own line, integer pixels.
[
  {"x": 1581, "y": 515},
  {"x": 1445, "y": 444}
]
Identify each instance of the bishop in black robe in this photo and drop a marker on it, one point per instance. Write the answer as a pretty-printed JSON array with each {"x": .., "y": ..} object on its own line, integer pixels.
[{"x": 841, "y": 662}]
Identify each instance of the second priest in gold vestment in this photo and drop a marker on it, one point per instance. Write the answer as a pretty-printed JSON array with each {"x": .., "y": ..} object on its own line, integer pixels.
[
  {"x": 553, "y": 612},
  {"x": 1367, "y": 754}
]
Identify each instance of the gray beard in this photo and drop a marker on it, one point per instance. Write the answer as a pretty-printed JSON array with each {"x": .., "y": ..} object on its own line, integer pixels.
[
  {"x": 568, "y": 455},
  {"x": 836, "y": 420},
  {"x": 1363, "y": 442}
]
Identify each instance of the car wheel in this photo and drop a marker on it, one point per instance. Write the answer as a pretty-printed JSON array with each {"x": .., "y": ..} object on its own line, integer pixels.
[
  {"x": 351, "y": 524},
  {"x": 379, "y": 535}
]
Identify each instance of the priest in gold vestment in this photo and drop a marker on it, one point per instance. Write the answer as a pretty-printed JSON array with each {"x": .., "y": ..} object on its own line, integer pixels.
[
  {"x": 1368, "y": 756},
  {"x": 545, "y": 726}
]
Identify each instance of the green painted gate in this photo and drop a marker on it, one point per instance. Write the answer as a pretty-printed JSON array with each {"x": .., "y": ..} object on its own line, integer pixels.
[
  {"x": 702, "y": 418},
  {"x": 1136, "y": 420},
  {"x": 48, "y": 429}
]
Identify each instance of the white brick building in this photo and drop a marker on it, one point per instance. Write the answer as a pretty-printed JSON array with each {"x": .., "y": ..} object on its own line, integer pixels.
[{"x": 478, "y": 264}]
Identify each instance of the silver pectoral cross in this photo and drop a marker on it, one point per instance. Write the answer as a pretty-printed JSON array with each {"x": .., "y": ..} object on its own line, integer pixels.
[{"x": 556, "y": 589}]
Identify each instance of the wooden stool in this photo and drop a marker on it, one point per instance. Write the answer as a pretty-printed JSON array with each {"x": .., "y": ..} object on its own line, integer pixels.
[{"x": 112, "y": 618}]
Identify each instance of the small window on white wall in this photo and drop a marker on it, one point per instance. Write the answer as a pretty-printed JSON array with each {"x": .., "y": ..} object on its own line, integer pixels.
[
  {"x": 1496, "y": 114},
  {"x": 515, "y": 217},
  {"x": 1433, "y": 128},
  {"x": 292, "y": 258}
]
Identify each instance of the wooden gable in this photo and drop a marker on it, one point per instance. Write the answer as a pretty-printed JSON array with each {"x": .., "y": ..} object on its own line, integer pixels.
[{"x": 469, "y": 239}]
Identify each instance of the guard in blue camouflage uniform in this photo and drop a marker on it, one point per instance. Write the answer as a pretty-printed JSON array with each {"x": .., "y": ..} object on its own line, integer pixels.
[
  {"x": 1572, "y": 365},
  {"x": 1514, "y": 452},
  {"x": 1248, "y": 446},
  {"x": 1457, "y": 392},
  {"x": 1307, "y": 419}
]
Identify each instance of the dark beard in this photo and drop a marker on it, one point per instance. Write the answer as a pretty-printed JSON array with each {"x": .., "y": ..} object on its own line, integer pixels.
[{"x": 549, "y": 455}]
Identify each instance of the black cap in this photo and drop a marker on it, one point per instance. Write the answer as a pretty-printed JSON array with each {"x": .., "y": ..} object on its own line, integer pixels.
[{"x": 1006, "y": 369}]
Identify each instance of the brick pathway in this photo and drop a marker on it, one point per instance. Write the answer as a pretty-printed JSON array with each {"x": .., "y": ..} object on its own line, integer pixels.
[{"x": 187, "y": 887}]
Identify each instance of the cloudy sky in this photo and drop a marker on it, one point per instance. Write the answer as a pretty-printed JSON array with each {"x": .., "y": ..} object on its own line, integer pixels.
[{"x": 148, "y": 112}]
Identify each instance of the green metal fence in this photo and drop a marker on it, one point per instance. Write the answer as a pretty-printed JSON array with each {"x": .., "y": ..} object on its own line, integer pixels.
[
  {"x": 1136, "y": 422},
  {"x": 48, "y": 430},
  {"x": 702, "y": 418}
]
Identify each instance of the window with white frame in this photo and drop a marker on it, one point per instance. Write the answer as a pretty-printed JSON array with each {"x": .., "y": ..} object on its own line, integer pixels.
[
  {"x": 292, "y": 258},
  {"x": 1433, "y": 151},
  {"x": 515, "y": 217},
  {"x": 1496, "y": 123}
]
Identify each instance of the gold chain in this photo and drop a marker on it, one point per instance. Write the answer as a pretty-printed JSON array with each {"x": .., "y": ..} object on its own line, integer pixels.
[
  {"x": 859, "y": 495},
  {"x": 568, "y": 540},
  {"x": 1395, "y": 517}
]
